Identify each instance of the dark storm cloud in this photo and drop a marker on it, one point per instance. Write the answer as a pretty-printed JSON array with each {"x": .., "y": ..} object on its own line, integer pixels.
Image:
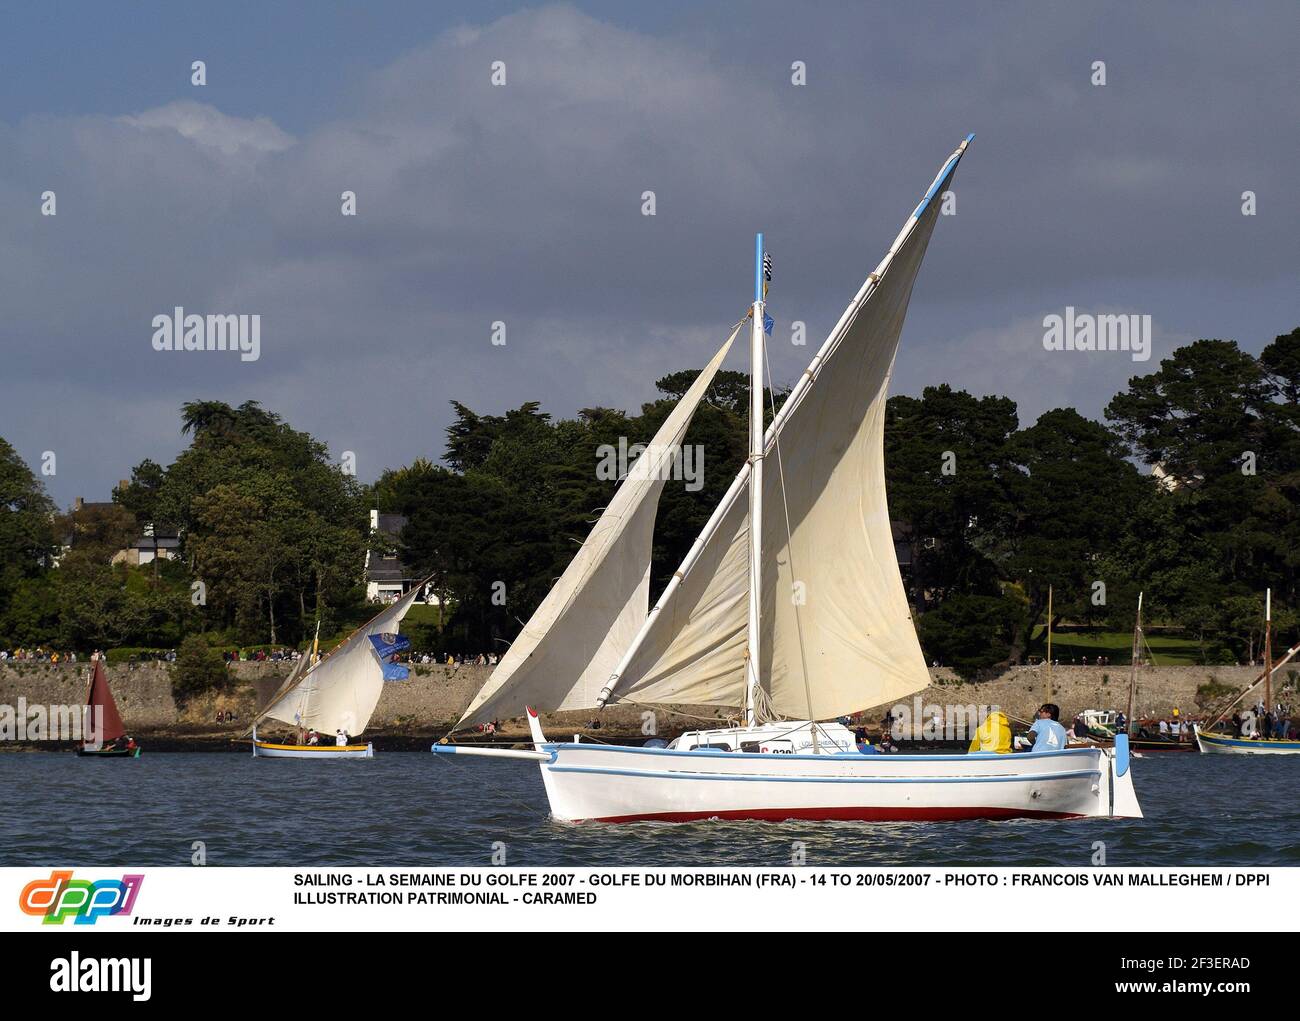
[{"x": 522, "y": 204}]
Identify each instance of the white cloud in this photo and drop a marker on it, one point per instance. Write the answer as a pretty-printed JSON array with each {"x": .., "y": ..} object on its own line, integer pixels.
[{"x": 208, "y": 126}]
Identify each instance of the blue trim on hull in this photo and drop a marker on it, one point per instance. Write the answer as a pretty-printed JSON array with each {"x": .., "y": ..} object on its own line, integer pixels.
[
  {"x": 697, "y": 753},
  {"x": 1237, "y": 742},
  {"x": 663, "y": 775}
]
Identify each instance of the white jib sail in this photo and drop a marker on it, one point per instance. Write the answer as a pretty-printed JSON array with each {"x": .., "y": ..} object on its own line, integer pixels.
[
  {"x": 341, "y": 691},
  {"x": 566, "y": 651},
  {"x": 837, "y": 632}
]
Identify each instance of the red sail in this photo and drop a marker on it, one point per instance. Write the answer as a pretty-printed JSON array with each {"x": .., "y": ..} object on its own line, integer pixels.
[{"x": 101, "y": 696}]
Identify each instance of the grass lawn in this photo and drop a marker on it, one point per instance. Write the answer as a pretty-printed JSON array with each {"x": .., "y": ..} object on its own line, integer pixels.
[{"x": 1169, "y": 648}]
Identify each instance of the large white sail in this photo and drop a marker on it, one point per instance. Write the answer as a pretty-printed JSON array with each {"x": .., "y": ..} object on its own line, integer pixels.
[
  {"x": 567, "y": 650},
  {"x": 836, "y": 633},
  {"x": 341, "y": 691}
]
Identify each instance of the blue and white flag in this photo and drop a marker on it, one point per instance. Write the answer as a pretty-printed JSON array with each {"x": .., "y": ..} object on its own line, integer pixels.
[
  {"x": 396, "y": 672},
  {"x": 387, "y": 646},
  {"x": 768, "y": 323}
]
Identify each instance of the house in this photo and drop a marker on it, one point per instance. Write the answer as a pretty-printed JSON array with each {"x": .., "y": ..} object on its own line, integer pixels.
[
  {"x": 387, "y": 578},
  {"x": 98, "y": 522},
  {"x": 159, "y": 543}
]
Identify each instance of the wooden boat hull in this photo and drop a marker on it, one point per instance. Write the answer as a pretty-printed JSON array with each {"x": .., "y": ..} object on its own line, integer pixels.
[
  {"x": 1147, "y": 745},
  {"x": 109, "y": 753},
  {"x": 1222, "y": 744},
  {"x": 611, "y": 783},
  {"x": 270, "y": 750}
]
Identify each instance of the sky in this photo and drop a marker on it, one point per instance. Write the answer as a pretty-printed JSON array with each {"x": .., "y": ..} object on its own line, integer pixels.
[{"x": 522, "y": 203}]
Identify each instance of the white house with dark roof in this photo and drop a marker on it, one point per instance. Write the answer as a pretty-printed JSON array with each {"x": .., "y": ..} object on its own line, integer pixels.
[{"x": 387, "y": 578}]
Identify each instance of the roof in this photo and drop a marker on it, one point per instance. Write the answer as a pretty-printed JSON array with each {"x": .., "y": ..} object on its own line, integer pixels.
[{"x": 391, "y": 524}]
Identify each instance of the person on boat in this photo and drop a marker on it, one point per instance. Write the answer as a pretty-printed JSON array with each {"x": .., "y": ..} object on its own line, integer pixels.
[
  {"x": 993, "y": 735},
  {"x": 1049, "y": 735},
  {"x": 313, "y": 738},
  {"x": 886, "y": 743},
  {"x": 340, "y": 738},
  {"x": 1121, "y": 724}
]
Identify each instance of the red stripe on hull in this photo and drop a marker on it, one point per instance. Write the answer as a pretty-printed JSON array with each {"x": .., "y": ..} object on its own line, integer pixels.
[{"x": 843, "y": 814}]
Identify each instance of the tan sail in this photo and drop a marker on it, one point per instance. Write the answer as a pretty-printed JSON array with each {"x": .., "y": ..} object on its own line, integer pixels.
[
  {"x": 341, "y": 691},
  {"x": 836, "y": 633},
  {"x": 566, "y": 651}
]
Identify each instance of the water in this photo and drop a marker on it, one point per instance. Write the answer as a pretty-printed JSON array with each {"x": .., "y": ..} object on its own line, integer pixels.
[{"x": 420, "y": 809}]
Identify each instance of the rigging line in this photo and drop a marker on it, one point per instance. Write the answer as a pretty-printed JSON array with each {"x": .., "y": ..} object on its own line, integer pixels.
[
  {"x": 789, "y": 537},
  {"x": 623, "y": 699}
]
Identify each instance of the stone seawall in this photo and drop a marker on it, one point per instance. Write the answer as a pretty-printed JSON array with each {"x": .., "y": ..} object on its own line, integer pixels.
[
  {"x": 435, "y": 696},
  {"x": 1160, "y": 690}
]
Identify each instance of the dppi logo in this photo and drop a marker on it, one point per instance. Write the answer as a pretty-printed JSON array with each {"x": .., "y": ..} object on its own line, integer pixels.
[{"x": 61, "y": 896}]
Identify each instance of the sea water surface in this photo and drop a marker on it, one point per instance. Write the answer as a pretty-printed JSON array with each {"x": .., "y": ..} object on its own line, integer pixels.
[{"x": 408, "y": 808}]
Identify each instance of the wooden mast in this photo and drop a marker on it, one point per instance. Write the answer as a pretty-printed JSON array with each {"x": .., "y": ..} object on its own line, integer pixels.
[
  {"x": 1133, "y": 669},
  {"x": 1049, "y": 643},
  {"x": 1268, "y": 657}
]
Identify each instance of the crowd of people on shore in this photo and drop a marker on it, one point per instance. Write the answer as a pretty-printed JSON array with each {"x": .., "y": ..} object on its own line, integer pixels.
[
  {"x": 40, "y": 654},
  {"x": 451, "y": 659},
  {"x": 1071, "y": 661},
  {"x": 285, "y": 655}
]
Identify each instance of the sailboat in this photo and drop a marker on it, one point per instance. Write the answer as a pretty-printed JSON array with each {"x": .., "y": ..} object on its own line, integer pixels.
[
  {"x": 1104, "y": 724},
  {"x": 1252, "y": 744},
  {"x": 789, "y": 606},
  {"x": 102, "y": 708},
  {"x": 336, "y": 694}
]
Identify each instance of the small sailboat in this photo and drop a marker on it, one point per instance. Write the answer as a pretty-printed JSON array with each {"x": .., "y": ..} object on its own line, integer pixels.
[
  {"x": 789, "y": 606},
  {"x": 336, "y": 694},
  {"x": 1252, "y": 743},
  {"x": 101, "y": 711}
]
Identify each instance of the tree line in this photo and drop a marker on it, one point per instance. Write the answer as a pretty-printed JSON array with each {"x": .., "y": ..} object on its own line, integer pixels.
[{"x": 994, "y": 514}]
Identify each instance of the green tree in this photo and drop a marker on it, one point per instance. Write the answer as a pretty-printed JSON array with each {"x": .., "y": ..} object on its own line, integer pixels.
[
  {"x": 198, "y": 669},
  {"x": 1075, "y": 496},
  {"x": 948, "y": 471},
  {"x": 972, "y": 634},
  {"x": 27, "y": 541}
]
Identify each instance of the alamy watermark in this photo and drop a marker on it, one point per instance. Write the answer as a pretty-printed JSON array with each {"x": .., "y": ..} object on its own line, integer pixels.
[
  {"x": 1083, "y": 331},
  {"x": 933, "y": 722},
  {"x": 38, "y": 722},
  {"x": 229, "y": 332},
  {"x": 678, "y": 463}
]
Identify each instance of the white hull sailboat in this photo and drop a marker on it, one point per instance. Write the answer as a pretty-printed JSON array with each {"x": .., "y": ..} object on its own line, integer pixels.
[
  {"x": 337, "y": 692},
  {"x": 789, "y": 607},
  {"x": 698, "y": 779}
]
